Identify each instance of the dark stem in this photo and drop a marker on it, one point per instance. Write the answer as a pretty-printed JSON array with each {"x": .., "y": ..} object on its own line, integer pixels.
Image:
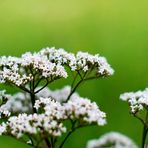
[
  {"x": 38, "y": 82},
  {"x": 31, "y": 139},
  {"x": 73, "y": 128},
  {"x": 145, "y": 130},
  {"x": 67, "y": 136},
  {"x": 69, "y": 133},
  {"x": 48, "y": 143},
  {"x": 139, "y": 118},
  {"x": 74, "y": 89},
  {"x": 32, "y": 95},
  {"x": 52, "y": 142},
  {"x": 75, "y": 77},
  {"x": 42, "y": 87},
  {"x": 144, "y": 134},
  {"x": 77, "y": 85}
]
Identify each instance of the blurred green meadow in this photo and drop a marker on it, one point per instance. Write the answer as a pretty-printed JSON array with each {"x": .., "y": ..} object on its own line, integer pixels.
[{"x": 115, "y": 29}]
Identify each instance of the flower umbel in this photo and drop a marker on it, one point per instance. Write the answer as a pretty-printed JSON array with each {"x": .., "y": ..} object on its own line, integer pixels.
[
  {"x": 138, "y": 102},
  {"x": 38, "y": 115}
]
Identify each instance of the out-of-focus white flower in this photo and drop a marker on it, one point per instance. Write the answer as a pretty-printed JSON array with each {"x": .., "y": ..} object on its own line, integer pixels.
[
  {"x": 112, "y": 140},
  {"x": 59, "y": 95},
  {"x": 18, "y": 103},
  {"x": 137, "y": 100}
]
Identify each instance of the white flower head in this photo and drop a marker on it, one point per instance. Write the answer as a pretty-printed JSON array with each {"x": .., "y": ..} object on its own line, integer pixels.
[
  {"x": 85, "y": 110},
  {"x": 112, "y": 139},
  {"x": 86, "y": 61},
  {"x": 137, "y": 100}
]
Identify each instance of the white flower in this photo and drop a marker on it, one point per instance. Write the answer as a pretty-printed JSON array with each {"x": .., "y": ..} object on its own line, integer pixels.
[
  {"x": 112, "y": 139},
  {"x": 41, "y": 63},
  {"x": 59, "y": 95},
  {"x": 4, "y": 96},
  {"x": 20, "y": 125},
  {"x": 81, "y": 61},
  {"x": 104, "y": 68},
  {"x": 76, "y": 108},
  {"x": 52, "y": 108},
  {"x": 33, "y": 124},
  {"x": 85, "y": 110},
  {"x": 60, "y": 56},
  {"x": 86, "y": 61},
  {"x": 20, "y": 71},
  {"x": 11, "y": 71},
  {"x": 3, "y": 129},
  {"x": 18, "y": 103},
  {"x": 137, "y": 100}
]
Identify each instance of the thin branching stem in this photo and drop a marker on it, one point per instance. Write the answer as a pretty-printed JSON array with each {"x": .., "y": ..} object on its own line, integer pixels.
[
  {"x": 145, "y": 130},
  {"x": 141, "y": 120},
  {"x": 68, "y": 134},
  {"x": 73, "y": 128},
  {"x": 38, "y": 82},
  {"x": 47, "y": 82},
  {"x": 74, "y": 89},
  {"x": 77, "y": 85}
]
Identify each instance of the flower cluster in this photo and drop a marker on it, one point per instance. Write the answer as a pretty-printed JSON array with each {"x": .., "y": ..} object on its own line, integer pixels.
[
  {"x": 38, "y": 115},
  {"x": 48, "y": 122},
  {"x": 81, "y": 61},
  {"x": 50, "y": 115},
  {"x": 85, "y": 110},
  {"x": 86, "y": 61},
  {"x": 77, "y": 107},
  {"x": 12, "y": 72},
  {"x": 60, "y": 56},
  {"x": 112, "y": 139},
  {"x": 51, "y": 108},
  {"x": 137, "y": 100},
  {"x": 33, "y": 124},
  {"x": 49, "y": 63},
  {"x": 41, "y": 64}
]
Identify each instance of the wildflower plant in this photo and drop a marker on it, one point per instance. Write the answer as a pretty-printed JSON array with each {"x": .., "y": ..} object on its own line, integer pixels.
[
  {"x": 138, "y": 103},
  {"x": 37, "y": 115}
]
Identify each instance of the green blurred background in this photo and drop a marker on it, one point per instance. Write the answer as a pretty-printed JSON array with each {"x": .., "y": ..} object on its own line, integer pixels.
[{"x": 116, "y": 29}]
